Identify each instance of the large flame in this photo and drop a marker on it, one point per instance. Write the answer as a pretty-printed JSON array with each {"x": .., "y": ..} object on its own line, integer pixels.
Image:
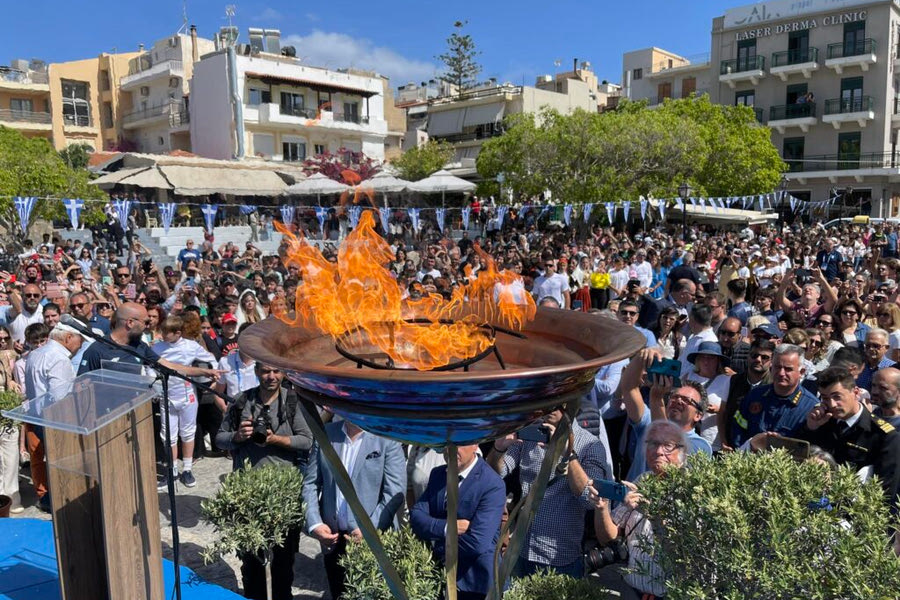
[{"x": 357, "y": 299}]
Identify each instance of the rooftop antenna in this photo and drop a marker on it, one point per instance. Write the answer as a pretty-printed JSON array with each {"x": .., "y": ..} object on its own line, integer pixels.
[
  {"x": 229, "y": 13},
  {"x": 184, "y": 18}
]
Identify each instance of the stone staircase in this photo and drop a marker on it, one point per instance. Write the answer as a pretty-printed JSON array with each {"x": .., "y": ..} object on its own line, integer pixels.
[{"x": 169, "y": 245}]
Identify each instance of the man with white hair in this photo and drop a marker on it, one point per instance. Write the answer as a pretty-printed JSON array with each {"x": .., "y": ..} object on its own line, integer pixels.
[{"x": 874, "y": 354}]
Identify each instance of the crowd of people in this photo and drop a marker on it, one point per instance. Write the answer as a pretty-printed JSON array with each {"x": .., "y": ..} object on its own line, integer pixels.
[{"x": 791, "y": 333}]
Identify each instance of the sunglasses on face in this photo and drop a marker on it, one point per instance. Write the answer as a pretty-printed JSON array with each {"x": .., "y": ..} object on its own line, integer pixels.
[
  {"x": 728, "y": 333},
  {"x": 762, "y": 357},
  {"x": 824, "y": 323},
  {"x": 849, "y": 313},
  {"x": 628, "y": 313},
  {"x": 683, "y": 400},
  {"x": 33, "y": 295}
]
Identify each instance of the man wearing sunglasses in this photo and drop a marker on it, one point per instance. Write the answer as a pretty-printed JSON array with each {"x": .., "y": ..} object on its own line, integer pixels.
[
  {"x": 759, "y": 364},
  {"x": 26, "y": 309},
  {"x": 874, "y": 354}
]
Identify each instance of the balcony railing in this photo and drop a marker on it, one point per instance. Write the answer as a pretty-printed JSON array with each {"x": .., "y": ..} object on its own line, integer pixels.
[
  {"x": 148, "y": 113},
  {"x": 739, "y": 65},
  {"x": 351, "y": 118},
  {"x": 842, "y": 162},
  {"x": 145, "y": 63},
  {"x": 499, "y": 90},
  {"x": 837, "y": 106},
  {"x": 77, "y": 120},
  {"x": 298, "y": 111},
  {"x": 844, "y": 49},
  {"x": 25, "y": 116},
  {"x": 482, "y": 134},
  {"x": 795, "y": 57},
  {"x": 17, "y": 76},
  {"x": 179, "y": 117},
  {"x": 792, "y": 111},
  {"x": 897, "y": 106}
]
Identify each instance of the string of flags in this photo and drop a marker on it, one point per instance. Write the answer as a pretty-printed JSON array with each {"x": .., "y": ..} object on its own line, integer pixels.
[{"x": 122, "y": 207}]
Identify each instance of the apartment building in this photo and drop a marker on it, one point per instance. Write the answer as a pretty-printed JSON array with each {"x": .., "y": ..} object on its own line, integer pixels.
[
  {"x": 25, "y": 98},
  {"x": 282, "y": 109},
  {"x": 823, "y": 75},
  {"x": 655, "y": 74},
  {"x": 157, "y": 84}
]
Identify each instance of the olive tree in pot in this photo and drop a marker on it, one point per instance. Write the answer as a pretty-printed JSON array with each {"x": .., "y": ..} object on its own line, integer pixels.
[
  {"x": 8, "y": 430},
  {"x": 550, "y": 584},
  {"x": 253, "y": 512},
  {"x": 749, "y": 526}
]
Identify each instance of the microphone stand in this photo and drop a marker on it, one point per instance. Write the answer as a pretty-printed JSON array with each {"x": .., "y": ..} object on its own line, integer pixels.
[{"x": 163, "y": 374}]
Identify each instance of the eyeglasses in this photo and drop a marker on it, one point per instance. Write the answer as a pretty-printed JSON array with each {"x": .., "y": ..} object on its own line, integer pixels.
[
  {"x": 873, "y": 346},
  {"x": 628, "y": 313},
  {"x": 762, "y": 357},
  {"x": 123, "y": 274},
  {"x": 815, "y": 342},
  {"x": 103, "y": 307},
  {"x": 33, "y": 295},
  {"x": 4, "y": 338},
  {"x": 684, "y": 400},
  {"x": 666, "y": 447},
  {"x": 849, "y": 313},
  {"x": 728, "y": 333},
  {"x": 144, "y": 321},
  {"x": 824, "y": 323},
  {"x": 77, "y": 305}
]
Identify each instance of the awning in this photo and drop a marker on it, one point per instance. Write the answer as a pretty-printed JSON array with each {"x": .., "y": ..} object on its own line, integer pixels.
[
  {"x": 485, "y": 113},
  {"x": 700, "y": 214},
  {"x": 445, "y": 122},
  {"x": 314, "y": 85},
  {"x": 149, "y": 179},
  {"x": 202, "y": 181},
  {"x": 110, "y": 179}
]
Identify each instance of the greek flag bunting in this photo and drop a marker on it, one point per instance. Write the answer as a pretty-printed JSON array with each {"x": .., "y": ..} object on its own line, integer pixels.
[
  {"x": 661, "y": 205},
  {"x": 166, "y": 214},
  {"x": 122, "y": 208},
  {"x": 74, "y": 206},
  {"x": 353, "y": 212},
  {"x": 567, "y": 214},
  {"x": 439, "y": 214},
  {"x": 611, "y": 212},
  {"x": 287, "y": 215},
  {"x": 693, "y": 201},
  {"x": 643, "y": 209},
  {"x": 679, "y": 203},
  {"x": 501, "y": 215},
  {"x": 384, "y": 213},
  {"x": 247, "y": 209},
  {"x": 24, "y": 206},
  {"x": 760, "y": 202},
  {"x": 321, "y": 213},
  {"x": 209, "y": 215},
  {"x": 626, "y": 209},
  {"x": 544, "y": 210},
  {"x": 414, "y": 217},
  {"x": 466, "y": 214},
  {"x": 524, "y": 210},
  {"x": 586, "y": 212}
]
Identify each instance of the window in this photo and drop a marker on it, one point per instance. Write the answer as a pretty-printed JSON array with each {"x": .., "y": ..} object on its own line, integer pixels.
[
  {"x": 794, "y": 93},
  {"x": 351, "y": 112},
  {"x": 106, "y": 114},
  {"x": 854, "y": 38},
  {"x": 293, "y": 151},
  {"x": 320, "y": 149},
  {"x": 75, "y": 106},
  {"x": 670, "y": 63},
  {"x": 688, "y": 86},
  {"x": 259, "y": 96},
  {"x": 798, "y": 47},
  {"x": 263, "y": 145},
  {"x": 637, "y": 74},
  {"x": 75, "y": 89},
  {"x": 323, "y": 100},
  {"x": 293, "y": 104},
  {"x": 851, "y": 94},
  {"x": 104, "y": 81},
  {"x": 792, "y": 153},
  {"x": 848, "y": 150},
  {"x": 21, "y": 105},
  {"x": 746, "y": 55},
  {"x": 745, "y": 98}
]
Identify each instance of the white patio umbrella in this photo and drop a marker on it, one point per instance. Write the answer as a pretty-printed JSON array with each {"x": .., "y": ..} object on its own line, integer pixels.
[
  {"x": 317, "y": 185},
  {"x": 442, "y": 181},
  {"x": 385, "y": 183}
]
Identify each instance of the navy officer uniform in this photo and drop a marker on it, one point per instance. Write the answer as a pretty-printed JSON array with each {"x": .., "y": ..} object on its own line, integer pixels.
[{"x": 764, "y": 410}]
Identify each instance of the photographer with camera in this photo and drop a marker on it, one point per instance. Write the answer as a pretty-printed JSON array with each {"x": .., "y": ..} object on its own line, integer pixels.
[
  {"x": 624, "y": 532},
  {"x": 265, "y": 425}
]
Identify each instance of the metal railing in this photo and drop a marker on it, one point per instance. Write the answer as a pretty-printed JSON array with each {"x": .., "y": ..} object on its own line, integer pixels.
[
  {"x": 297, "y": 111},
  {"x": 792, "y": 111},
  {"x": 758, "y": 111},
  {"x": 500, "y": 90},
  {"x": 17, "y": 76},
  {"x": 794, "y": 57},
  {"x": 148, "y": 113},
  {"x": 144, "y": 62},
  {"x": 25, "y": 116},
  {"x": 841, "y": 162},
  {"x": 179, "y": 117},
  {"x": 844, "y": 49},
  {"x": 739, "y": 65},
  {"x": 483, "y": 134},
  {"x": 837, "y": 106},
  {"x": 350, "y": 118},
  {"x": 77, "y": 120}
]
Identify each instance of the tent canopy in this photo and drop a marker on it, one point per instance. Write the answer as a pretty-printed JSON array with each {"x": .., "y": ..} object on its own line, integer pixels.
[
  {"x": 700, "y": 214},
  {"x": 385, "y": 183},
  {"x": 442, "y": 181},
  {"x": 316, "y": 184},
  {"x": 201, "y": 181},
  {"x": 111, "y": 179}
]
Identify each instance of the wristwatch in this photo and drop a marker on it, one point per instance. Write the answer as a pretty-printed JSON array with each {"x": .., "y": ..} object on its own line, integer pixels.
[{"x": 572, "y": 455}]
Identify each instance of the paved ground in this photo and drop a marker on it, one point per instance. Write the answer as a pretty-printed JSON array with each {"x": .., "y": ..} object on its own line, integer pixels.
[{"x": 195, "y": 534}]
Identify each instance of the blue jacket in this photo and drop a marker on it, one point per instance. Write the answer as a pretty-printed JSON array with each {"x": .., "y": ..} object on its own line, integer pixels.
[
  {"x": 482, "y": 497},
  {"x": 762, "y": 410}
]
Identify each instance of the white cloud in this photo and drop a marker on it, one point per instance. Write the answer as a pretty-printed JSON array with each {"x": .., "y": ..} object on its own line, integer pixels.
[
  {"x": 338, "y": 50},
  {"x": 270, "y": 16},
  {"x": 313, "y": 17}
]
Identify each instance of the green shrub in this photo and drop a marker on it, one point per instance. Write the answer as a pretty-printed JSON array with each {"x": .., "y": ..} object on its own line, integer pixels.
[
  {"x": 255, "y": 509},
  {"x": 550, "y": 585},
  {"x": 420, "y": 574},
  {"x": 8, "y": 401},
  {"x": 751, "y": 526}
]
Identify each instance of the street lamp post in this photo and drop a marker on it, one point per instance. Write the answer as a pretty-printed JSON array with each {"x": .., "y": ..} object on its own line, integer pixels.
[
  {"x": 684, "y": 192},
  {"x": 783, "y": 189}
]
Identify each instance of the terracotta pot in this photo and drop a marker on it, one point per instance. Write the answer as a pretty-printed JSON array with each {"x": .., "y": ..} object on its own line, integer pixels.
[{"x": 5, "y": 504}]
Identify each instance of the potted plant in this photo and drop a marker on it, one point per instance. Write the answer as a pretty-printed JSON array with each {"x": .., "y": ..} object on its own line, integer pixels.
[
  {"x": 421, "y": 575},
  {"x": 550, "y": 584},
  {"x": 8, "y": 401},
  {"x": 254, "y": 511},
  {"x": 765, "y": 526}
]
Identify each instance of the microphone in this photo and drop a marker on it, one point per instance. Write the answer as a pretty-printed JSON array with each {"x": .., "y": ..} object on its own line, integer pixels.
[{"x": 70, "y": 321}]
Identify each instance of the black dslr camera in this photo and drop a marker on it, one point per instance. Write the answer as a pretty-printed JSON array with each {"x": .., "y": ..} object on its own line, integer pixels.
[
  {"x": 596, "y": 556},
  {"x": 261, "y": 426}
]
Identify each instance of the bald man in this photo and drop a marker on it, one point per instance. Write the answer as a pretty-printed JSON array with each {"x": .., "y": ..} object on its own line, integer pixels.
[
  {"x": 26, "y": 309},
  {"x": 886, "y": 395}
]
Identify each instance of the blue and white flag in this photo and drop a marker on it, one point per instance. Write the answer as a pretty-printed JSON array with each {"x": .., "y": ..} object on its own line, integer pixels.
[
  {"x": 321, "y": 213},
  {"x": 439, "y": 214},
  {"x": 74, "y": 206},
  {"x": 793, "y": 202},
  {"x": 662, "y": 209},
  {"x": 122, "y": 208},
  {"x": 501, "y": 215},
  {"x": 702, "y": 202},
  {"x": 466, "y": 213},
  {"x": 643, "y": 209},
  {"x": 761, "y": 202},
  {"x": 24, "y": 206},
  {"x": 166, "y": 214},
  {"x": 384, "y": 213},
  {"x": 524, "y": 211},
  {"x": 248, "y": 209},
  {"x": 567, "y": 214},
  {"x": 693, "y": 201},
  {"x": 745, "y": 202},
  {"x": 287, "y": 215},
  {"x": 209, "y": 215},
  {"x": 626, "y": 209},
  {"x": 586, "y": 212},
  {"x": 679, "y": 203},
  {"x": 353, "y": 212},
  {"x": 414, "y": 217},
  {"x": 544, "y": 210},
  {"x": 611, "y": 212}
]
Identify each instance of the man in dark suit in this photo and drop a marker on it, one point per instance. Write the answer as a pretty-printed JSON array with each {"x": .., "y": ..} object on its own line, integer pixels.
[
  {"x": 843, "y": 426},
  {"x": 377, "y": 468},
  {"x": 482, "y": 497}
]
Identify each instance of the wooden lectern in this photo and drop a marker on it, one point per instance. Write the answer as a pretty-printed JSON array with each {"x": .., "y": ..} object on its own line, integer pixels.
[{"x": 99, "y": 444}]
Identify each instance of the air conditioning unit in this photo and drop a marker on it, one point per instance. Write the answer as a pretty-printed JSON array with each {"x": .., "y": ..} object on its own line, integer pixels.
[
  {"x": 174, "y": 82},
  {"x": 145, "y": 90},
  {"x": 173, "y": 41}
]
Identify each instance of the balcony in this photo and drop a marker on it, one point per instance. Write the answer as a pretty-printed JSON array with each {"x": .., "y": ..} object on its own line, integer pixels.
[
  {"x": 350, "y": 118},
  {"x": 290, "y": 117},
  {"x": 173, "y": 112},
  {"x": 742, "y": 69},
  {"x": 792, "y": 115},
  {"x": 895, "y": 115},
  {"x": 859, "y": 110},
  {"x": 143, "y": 72},
  {"x": 842, "y": 55},
  {"x": 793, "y": 62},
  {"x": 844, "y": 162},
  {"x": 15, "y": 79},
  {"x": 26, "y": 119}
]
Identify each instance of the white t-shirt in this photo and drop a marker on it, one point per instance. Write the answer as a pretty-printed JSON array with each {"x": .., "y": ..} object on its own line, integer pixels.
[
  {"x": 183, "y": 352},
  {"x": 554, "y": 286},
  {"x": 18, "y": 325},
  {"x": 240, "y": 377}
]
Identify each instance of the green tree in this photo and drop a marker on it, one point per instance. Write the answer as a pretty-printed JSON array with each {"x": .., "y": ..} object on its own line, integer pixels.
[
  {"x": 76, "y": 156},
  {"x": 31, "y": 167},
  {"x": 460, "y": 62},
  {"x": 420, "y": 162}
]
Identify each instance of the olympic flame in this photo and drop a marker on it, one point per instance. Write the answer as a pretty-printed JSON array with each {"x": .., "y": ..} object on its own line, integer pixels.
[{"x": 357, "y": 298}]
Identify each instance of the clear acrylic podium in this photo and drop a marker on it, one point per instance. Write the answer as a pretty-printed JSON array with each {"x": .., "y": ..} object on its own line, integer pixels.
[{"x": 99, "y": 444}]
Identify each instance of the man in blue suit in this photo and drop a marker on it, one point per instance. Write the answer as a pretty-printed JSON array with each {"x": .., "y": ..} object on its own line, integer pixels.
[
  {"x": 482, "y": 497},
  {"x": 377, "y": 468}
]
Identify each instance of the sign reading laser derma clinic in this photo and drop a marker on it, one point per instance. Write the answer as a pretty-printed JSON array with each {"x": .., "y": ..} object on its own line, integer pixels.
[
  {"x": 777, "y": 10},
  {"x": 801, "y": 25}
]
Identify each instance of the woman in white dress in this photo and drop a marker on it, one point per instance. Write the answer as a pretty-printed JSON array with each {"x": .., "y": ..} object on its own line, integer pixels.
[{"x": 709, "y": 371}]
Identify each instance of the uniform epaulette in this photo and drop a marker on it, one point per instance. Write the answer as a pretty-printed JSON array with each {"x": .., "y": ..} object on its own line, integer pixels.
[{"x": 883, "y": 425}]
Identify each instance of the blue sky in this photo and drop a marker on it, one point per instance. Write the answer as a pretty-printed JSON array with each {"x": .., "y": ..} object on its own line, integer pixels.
[{"x": 399, "y": 38}]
